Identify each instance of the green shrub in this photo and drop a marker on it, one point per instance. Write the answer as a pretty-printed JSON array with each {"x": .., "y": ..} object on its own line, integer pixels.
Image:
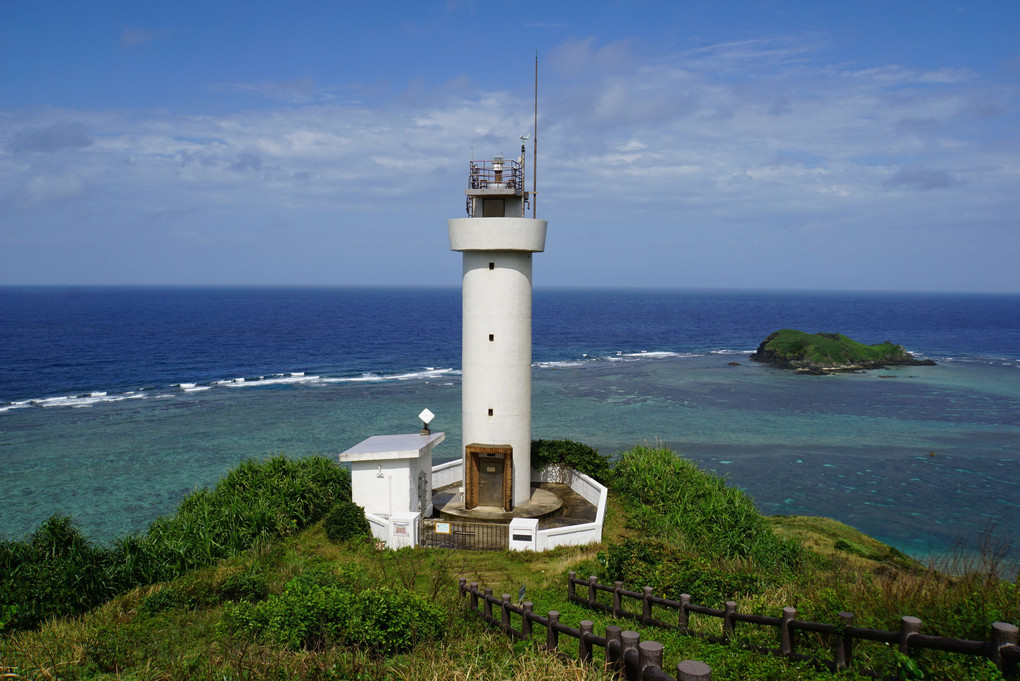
[
  {"x": 57, "y": 571},
  {"x": 311, "y": 615},
  {"x": 671, "y": 572},
  {"x": 111, "y": 648},
  {"x": 161, "y": 601},
  {"x": 188, "y": 593},
  {"x": 673, "y": 499},
  {"x": 245, "y": 586},
  {"x": 576, "y": 455},
  {"x": 346, "y": 521}
]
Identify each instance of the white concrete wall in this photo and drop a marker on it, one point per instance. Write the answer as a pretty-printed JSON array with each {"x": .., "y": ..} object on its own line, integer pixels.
[
  {"x": 593, "y": 491},
  {"x": 448, "y": 473},
  {"x": 403, "y": 530},
  {"x": 398, "y": 532},
  {"x": 380, "y": 526},
  {"x": 584, "y": 485},
  {"x": 523, "y": 534}
]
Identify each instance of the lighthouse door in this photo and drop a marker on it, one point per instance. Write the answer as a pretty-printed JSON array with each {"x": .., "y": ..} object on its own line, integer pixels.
[
  {"x": 490, "y": 480},
  {"x": 488, "y": 476}
]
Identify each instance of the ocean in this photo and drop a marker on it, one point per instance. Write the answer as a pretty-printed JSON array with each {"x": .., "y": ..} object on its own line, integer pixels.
[{"x": 116, "y": 402}]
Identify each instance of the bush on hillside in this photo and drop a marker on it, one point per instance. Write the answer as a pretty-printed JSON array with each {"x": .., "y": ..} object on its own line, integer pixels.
[
  {"x": 251, "y": 585},
  {"x": 576, "y": 455},
  {"x": 673, "y": 499},
  {"x": 346, "y": 521},
  {"x": 312, "y": 615},
  {"x": 671, "y": 572},
  {"x": 57, "y": 571}
]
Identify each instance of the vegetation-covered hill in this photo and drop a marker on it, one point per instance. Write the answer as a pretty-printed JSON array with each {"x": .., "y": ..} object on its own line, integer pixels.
[
  {"x": 302, "y": 606},
  {"x": 819, "y": 353}
]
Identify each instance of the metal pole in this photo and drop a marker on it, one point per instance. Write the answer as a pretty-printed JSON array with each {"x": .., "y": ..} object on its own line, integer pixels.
[{"x": 534, "y": 150}]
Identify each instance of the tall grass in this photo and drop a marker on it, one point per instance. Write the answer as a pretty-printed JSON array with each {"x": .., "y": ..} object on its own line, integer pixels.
[
  {"x": 57, "y": 571},
  {"x": 671, "y": 498}
]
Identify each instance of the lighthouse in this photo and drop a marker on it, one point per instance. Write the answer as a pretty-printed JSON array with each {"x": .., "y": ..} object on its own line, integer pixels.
[{"x": 497, "y": 242}]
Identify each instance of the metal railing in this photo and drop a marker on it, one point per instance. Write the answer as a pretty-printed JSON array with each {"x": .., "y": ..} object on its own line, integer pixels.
[
  {"x": 447, "y": 534},
  {"x": 495, "y": 174}
]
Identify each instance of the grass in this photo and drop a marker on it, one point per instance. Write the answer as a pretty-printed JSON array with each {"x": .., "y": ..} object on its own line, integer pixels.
[{"x": 179, "y": 628}]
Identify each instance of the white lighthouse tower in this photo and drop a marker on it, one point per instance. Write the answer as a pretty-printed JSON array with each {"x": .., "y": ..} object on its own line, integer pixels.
[{"x": 497, "y": 241}]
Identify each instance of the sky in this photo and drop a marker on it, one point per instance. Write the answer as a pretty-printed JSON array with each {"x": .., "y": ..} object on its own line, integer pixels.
[{"x": 860, "y": 145}]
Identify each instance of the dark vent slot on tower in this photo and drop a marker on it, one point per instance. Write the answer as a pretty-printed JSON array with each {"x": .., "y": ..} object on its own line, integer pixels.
[
  {"x": 490, "y": 411},
  {"x": 492, "y": 336},
  {"x": 492, "y": 265}
]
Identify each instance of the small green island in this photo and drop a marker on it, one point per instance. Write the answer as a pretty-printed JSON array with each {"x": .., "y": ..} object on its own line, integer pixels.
[{"x": 826, "y": 353}]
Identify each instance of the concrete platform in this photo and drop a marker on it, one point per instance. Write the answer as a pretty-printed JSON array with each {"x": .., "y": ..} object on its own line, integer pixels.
[
  {"x": 447, "y": 505},
  {"x": 556, "y": 505}
]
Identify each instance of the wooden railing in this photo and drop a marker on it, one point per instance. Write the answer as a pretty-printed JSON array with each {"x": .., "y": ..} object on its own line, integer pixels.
[
  {"x": 625, "y": 652},
  {"x": 1001, "y": 648}
]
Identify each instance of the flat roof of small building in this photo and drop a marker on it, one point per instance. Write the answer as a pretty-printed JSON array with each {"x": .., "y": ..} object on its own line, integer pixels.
[{"x": 379, "y": 447}]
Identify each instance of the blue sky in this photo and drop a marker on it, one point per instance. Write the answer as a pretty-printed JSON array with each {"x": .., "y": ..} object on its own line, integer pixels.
[{"x": 854, "y": 145}]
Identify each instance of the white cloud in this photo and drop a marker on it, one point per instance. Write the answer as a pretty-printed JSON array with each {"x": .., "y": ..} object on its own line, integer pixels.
[
  {"x": 740, "y": 145},
  {"x": 52, "y": 138},
  {"x": 298, "y": 91}
]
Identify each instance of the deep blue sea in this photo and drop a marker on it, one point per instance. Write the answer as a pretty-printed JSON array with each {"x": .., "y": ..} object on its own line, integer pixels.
[{"x": 116, "y": 402}]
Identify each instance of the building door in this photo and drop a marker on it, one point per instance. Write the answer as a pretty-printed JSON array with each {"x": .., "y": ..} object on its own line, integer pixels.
[
  {"x": 490, "y": 480},
  {"x": 488, "y": 476}
]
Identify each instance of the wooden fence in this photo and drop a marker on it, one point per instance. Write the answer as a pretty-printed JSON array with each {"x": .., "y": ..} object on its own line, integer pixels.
[
  {"x": 1001, "y": 648},
  {"x": 625, "y": 652}
]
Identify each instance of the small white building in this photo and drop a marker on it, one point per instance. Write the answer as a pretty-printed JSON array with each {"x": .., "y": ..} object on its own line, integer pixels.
[{"x": 392, "y": 474}]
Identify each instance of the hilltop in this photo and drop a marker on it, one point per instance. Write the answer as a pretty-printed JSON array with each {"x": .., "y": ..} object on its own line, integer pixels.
[
  {"x": 824, "y": 353},
  {"x": 298, "y": 604}
]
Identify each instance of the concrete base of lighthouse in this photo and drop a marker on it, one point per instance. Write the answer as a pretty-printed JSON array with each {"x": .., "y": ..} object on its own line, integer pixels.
[{"x": 542, "y": 504}]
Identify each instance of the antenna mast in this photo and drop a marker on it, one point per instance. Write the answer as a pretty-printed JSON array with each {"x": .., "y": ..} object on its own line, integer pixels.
[{"x": 534, "y": 149}]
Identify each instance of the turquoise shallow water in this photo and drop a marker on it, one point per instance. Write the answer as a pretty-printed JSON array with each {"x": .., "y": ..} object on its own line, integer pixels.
[
  {"x": 924, "y": 458},
  {"x": 114, "y": 403}
]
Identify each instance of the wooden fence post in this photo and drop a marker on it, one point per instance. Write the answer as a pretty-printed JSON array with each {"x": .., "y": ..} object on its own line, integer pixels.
[
  {"x": 504, "y": 616},
  {"x": 526, "y": 620},
  {"x": 474, "y": 596},
  {"x": 845, "y": 642},
  {"x": 785, "y": 634},
  {"x": 617, "y": 605},
  {"x": 683, "y": 620},
  {"x": 646, "y": 605},
  {"x": 629, "y": 639},
  {"x": 1003, "y": 634},
  {"x": 570, "y": 585},
  {"x": 586, "y": 627},
  {"x": 692, "y": 670},
  {"x": 613, "y": 653},
  {"x": 727, "y": 623},
  {"x": 650, "y": 653},
  {"x": 593, "y": 595},
  {"x": 487, "y": 606},
  {"x": 552, "y": 637},
  {"x": 908, "y": 627}
]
